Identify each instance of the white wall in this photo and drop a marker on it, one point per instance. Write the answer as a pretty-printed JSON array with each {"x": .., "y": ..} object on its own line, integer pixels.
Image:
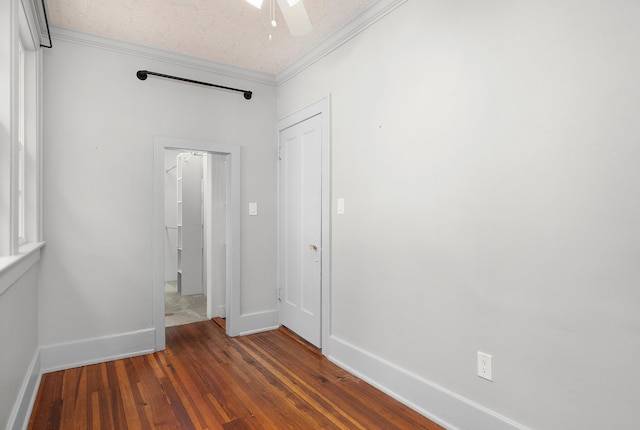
[
  {"x": 488, "y": 156},
  {"x": 19, "y": 334},
  {"x": 96, "y": 274}
]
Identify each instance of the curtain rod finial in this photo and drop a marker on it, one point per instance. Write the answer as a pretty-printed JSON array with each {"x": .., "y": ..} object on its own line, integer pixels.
[{"x": 142, "y": 75}]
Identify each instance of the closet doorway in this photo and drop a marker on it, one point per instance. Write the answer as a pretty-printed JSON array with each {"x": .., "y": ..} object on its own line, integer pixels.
[
  {"x": 195, "y": 198},
  {"x": 196, "y": 233}
]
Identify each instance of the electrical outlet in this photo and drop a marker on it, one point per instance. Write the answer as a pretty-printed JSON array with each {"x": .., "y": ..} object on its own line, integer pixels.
[{"x": 485, "y": 366}]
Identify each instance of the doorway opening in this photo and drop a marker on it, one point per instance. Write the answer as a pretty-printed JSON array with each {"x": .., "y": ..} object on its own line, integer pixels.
[
  {"x": 195, "y": 236},
  {"x": 196, "y": 226}
]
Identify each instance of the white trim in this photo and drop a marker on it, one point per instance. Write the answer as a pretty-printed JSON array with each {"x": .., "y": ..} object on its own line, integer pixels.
[
  {"x": 24, "y": 130},
  {"x": 32, "y": 128},
  {"x": 160, "y": 144},
  {"x": 21, "y": 412},
  {"x": 13, "y": 267},
  {"x": 39, "y": 176},
  {"x": 17, "y": 22},
  {"x": 369, "y": 17},
  {"x": 96, "y": 350},
  {"x": 258, "y": 322},
  {"x": 102, "y": 42},
  {"x": 6, "y": 85},
  {"x": 437, "y": 403},
  {"x": 321, "y": 107}
]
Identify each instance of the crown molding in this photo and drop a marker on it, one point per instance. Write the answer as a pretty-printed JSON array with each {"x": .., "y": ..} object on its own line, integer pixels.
[
  {"x": 365, "y": 20},
  {"x": 119, "y": 46}
]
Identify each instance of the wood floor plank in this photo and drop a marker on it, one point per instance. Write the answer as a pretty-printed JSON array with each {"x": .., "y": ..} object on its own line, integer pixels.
[
  {"x": 128, "y": 401},
  {"x": 156, "y": 407},
  {"x": 302, "y": 392},
  {"x": 206, "y": 380}
]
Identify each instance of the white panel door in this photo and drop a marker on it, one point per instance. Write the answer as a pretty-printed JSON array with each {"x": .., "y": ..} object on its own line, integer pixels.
[{"x": 300, "y": 228}]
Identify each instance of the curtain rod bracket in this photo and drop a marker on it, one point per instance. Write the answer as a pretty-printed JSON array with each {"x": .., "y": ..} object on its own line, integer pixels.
[
  {"x": 46, "y": 20},
  {"x": 144, "y": 74}
]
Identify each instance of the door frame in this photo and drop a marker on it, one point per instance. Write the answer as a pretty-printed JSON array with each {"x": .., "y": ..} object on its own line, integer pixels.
[
  {"x": 323, "y": 108},
  {"x": 160, "y": 144}
]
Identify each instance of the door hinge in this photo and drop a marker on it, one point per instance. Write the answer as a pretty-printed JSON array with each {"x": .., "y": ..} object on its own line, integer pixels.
[
  {"x": 279, "y": 152},
  {"x": 279, "y": 294}
]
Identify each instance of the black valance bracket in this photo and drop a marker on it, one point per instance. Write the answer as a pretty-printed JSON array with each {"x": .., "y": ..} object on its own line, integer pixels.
[{"x": 143, "y": 74}]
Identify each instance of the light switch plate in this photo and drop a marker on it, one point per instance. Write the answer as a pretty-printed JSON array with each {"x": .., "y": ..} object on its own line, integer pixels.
[
  {"x": 253, "y": 209},
  {"x": 340, "y": 206}
]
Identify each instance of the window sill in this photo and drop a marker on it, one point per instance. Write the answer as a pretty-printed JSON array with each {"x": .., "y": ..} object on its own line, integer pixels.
[{"x": 14, "y": 266}]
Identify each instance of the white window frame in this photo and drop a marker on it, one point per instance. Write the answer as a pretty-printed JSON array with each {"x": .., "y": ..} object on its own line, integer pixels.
[
  {"x": 29, "y": 229},
  {"x": 20, "y": 156},
  {"x": 21, "y": 144}
]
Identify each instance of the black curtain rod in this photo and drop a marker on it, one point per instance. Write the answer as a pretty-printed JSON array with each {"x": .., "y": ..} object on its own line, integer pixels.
[{"x": 142, "y": 75}]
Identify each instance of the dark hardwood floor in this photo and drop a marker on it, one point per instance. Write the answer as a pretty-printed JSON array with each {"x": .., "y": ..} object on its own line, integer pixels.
[{"x": 206, "y": 380}]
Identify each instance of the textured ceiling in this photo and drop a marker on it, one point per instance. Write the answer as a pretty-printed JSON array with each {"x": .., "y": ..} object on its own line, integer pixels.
[{"x": 227, "y": 31}]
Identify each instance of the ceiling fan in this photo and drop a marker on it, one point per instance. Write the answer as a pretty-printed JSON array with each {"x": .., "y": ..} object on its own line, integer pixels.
[{"x": 294, "y": 14}]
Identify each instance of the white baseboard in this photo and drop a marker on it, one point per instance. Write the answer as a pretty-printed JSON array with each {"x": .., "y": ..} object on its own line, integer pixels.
[
  {"x": 443, "y": 406},
  {"x": 96, "y": 350},
  {"x": 21, "y": 412},
  {"x": 258, "y": 322}
]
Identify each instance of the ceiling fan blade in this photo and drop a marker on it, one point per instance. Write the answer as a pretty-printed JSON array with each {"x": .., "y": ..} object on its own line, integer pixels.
[
  {"x": 255, "y": 3},
  {"x": 296, "y": 17}
]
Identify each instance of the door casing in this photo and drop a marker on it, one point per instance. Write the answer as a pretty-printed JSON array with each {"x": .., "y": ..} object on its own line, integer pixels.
[{"x": 160, "y": 144}]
